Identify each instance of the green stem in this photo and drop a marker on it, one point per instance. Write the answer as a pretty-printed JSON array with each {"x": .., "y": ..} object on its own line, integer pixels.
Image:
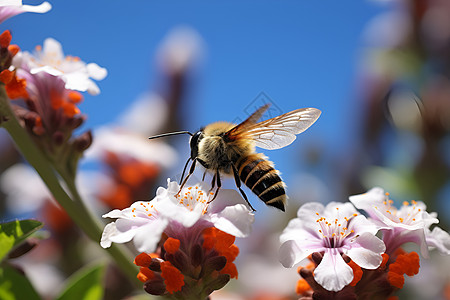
[{"x": 76, "y": 209}]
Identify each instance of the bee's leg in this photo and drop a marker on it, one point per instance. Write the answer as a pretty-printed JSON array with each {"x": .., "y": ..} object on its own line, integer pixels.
[
  {"x": 219, "y": 185},
  {"x": 184, "y": 170},
  {"x": 238, "y": 184},
  {"x": 204, "y": 174},
  {"x": 191, "y": 170},
  {"x": 213, "y": 183}
]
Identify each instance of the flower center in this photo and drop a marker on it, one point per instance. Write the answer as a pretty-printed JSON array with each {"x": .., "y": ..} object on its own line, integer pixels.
[
  {"x": 334, "y": 231},
  {"x": 192, "y": 196},
  {"x": 406, "y": 215},
  {"x": 144, "y": 210}
]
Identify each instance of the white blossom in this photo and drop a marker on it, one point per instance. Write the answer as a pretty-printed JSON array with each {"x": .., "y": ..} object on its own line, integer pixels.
[
  {"x": 333, "y": 230},
  {"x": 144, "y": 222}
]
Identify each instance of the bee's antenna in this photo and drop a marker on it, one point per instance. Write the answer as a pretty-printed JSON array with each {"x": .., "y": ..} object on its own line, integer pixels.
[{"x": 170, "y": 133}]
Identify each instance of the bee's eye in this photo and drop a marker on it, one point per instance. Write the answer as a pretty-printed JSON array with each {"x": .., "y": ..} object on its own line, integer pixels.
[{"x": 195, "y": 139}]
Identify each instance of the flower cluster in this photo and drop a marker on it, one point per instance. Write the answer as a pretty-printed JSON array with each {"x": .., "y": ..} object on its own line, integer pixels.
[
  {"x": 186, "y": 241},
  {"x": 45, "y": 87},
  {"x": 347, "y": 260},
  {"x": 189, "y": 269}
]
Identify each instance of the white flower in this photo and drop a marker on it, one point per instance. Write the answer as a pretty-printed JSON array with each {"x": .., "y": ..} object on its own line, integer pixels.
[
  {"x": 333, "y": 230},
  {"x": 144, "y": 222},
  {"x": 410, "y": 223},
  {"x": 50, "y": 59},
  {"x": 11, "y": 8}
]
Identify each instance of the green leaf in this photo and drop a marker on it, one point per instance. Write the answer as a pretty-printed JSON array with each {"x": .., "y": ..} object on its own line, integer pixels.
[
  {"x": 15, "y": 286},
  {"x": 86, "y": 284},
  {"x": 15, "y": 232}
]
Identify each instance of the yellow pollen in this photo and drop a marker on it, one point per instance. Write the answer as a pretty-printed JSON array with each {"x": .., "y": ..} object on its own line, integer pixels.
[
  {"x": 149, "y": 215},
  {"x": 317, "y": 213},
  {"x": 414, "y": 219},
  {"x": 387, "y": 194},
  {"x": 355, "y": 215},
  {"x": 333, "y": 235},
  {"x": 419, "y": 209},
  {"x": 134, "y": 216},
  {"x": 401, "y": 220},
  {"x": 352, "y": 231},
  {"x": 405, "y": 203},
  {"x": 390, "y": 201},
  {"x": 413, "y": 202}
]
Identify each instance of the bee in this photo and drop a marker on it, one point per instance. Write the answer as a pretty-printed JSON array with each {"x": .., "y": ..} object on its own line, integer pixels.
[{"x": 224, "y": 148}]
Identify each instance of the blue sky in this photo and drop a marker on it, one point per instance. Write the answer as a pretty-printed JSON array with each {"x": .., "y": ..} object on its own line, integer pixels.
[{"x": 299, "y": 53}]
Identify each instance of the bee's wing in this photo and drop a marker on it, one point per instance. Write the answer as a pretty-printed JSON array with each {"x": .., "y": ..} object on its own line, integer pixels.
[
  {"x": 242, "y": 128},
  {"x": 280, "y": 131}
]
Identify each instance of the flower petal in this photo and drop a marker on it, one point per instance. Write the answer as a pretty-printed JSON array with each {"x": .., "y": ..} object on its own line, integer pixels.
[
  {"x": 439, "y": 239},
  {"x": 11, "y": 8},
  {"x": 109, "y": 230},
  {"x": 295, "y": 230},
  {"x": 361, "y": 224},
  {"x": 290, "y": 253},
  {"x": 117, "y": 213},
  {"x": 148, "y": 236},
  {"x": 368, "y": 254},
  {"x": 367, "y": 200},
  {"x": 333, "y": 274},
  {"x": 96, "y": 72},
  {"x": 236, "y": 220},
  {"x": 41, "y": 8}
]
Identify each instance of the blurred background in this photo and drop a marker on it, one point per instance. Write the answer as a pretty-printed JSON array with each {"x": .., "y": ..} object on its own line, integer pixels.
[{"x": 378, "y": 70}]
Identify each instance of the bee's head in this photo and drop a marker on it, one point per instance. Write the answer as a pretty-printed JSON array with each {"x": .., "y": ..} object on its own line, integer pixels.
[{"x": 195, "y": 140}]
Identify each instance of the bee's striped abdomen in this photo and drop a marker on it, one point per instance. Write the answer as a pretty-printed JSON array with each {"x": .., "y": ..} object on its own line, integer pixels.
[{"x": 258, "y": 174}]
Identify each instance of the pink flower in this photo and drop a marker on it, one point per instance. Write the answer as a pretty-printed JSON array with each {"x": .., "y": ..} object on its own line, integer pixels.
[
  {"x": 410, "y": 223},
  {"x": 334, "y": 230}
]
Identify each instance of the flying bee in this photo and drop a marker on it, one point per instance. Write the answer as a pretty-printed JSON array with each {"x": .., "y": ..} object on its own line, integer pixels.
[{"x": 225, "y": 148}]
